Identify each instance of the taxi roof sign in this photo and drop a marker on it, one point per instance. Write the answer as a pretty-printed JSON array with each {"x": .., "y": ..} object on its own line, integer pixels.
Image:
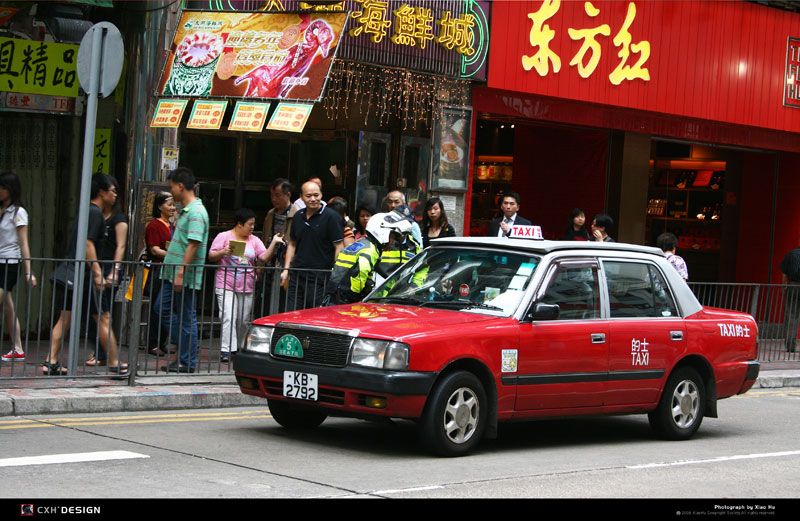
[{"x": 526, "y": 232}]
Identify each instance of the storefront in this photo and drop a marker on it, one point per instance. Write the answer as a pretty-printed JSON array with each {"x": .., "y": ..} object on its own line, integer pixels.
[
  {"x": 669, "y": 116},
  {"x": 374, "y": 108}
]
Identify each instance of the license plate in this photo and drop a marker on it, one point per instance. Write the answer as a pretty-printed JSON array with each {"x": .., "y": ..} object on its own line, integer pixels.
[{"x": 302, "y": 386}]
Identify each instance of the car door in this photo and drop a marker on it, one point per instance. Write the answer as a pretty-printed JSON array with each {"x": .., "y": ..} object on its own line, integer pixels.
[
  {"x": 563, "y": 362},
  {"x": 647, "y": 332}
]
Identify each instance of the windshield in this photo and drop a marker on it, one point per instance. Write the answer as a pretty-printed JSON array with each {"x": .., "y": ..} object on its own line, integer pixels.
[{"x": 481, "y": 281}]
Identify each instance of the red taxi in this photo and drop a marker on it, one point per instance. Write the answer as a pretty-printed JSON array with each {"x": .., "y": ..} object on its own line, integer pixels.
[{"x": 476, "y": 331}]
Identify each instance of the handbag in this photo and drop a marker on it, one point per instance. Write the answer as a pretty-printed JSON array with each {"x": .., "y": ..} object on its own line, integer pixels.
[
  {"x": 129, "y": 292},
  {"x": 64, "y": 274}
]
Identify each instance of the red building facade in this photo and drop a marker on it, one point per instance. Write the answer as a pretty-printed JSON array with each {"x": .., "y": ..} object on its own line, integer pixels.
[{"x": 676, "y": 116}]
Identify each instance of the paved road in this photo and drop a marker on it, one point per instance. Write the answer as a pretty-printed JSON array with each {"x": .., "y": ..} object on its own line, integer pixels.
[{"x": 752, "y": 451}]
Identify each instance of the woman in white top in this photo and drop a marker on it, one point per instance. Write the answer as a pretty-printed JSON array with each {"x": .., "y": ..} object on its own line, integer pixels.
[{"x": 13, "y": 248}]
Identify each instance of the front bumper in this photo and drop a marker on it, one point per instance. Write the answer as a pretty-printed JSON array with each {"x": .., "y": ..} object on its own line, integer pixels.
[{"x": 343, "y": 389}]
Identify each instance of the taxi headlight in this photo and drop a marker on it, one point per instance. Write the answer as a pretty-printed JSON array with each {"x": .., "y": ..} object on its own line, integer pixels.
[
  {"x": 259, "y": 339},
  {"x": 380, "y": 354}
]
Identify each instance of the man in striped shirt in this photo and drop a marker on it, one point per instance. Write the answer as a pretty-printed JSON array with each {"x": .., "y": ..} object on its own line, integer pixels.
[{"x": 182, "y": 271}]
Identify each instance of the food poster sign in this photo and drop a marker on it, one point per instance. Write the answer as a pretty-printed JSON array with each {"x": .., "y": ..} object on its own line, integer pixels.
[
  {"x": 252, "y": 55},
  {"x": 451, "y": 149}
]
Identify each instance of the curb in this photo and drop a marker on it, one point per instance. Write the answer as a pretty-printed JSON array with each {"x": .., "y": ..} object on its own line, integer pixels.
[
  {"x": 776, "y": 382},
  {"x": 133, "y": 399}
]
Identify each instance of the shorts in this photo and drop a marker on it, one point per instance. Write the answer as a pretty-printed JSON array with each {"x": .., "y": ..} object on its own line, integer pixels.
[
  {"x": 9, "y": 274},
  {"x": 93, "y": 301}
]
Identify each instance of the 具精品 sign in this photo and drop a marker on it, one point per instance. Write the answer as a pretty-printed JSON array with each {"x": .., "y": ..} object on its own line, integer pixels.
[{"x": 32, "y": 67}]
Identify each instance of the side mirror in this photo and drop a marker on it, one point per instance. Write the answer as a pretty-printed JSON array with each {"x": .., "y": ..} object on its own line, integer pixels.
[{"x": 544, "y": 312}]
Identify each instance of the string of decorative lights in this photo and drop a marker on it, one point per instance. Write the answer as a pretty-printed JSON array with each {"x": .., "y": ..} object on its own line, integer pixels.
[{"x": 406, "y": 96}]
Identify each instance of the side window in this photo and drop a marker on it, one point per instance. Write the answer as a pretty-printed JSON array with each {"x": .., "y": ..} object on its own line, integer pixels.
[
  {"x": 576, "y": 291},
  {"x": 637, "y": 290},
  {"x": 664, "y": 303}
]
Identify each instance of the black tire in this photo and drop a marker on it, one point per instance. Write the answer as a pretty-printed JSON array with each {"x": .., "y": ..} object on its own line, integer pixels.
[
  {"x": 465, "y": 397},
  {"x": 682, "y": 406},
  {"x": 295, "y": 417}
]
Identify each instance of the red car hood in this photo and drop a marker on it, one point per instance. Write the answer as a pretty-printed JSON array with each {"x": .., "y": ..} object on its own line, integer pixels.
[{"x": 385, "y": 321}]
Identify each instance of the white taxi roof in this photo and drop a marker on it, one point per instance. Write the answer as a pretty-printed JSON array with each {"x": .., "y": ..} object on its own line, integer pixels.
[{"x": 543, "y": 246}]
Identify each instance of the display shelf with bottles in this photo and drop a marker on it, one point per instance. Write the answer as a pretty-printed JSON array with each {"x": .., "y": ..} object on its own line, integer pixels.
[
  {"x": 687, "y": 199},
  {"x": 492, "y": 179}
]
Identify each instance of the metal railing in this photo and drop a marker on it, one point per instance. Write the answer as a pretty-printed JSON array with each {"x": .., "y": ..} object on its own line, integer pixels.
[
  {"x": 139, "y": 320},
  {"x": 775, "y": 307},
  {"x": 142, "y": 323}
]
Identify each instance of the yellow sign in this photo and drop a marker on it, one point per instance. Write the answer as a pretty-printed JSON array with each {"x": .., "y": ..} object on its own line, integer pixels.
[
  {"x": 249, "y": 116},
  {"x": 169, "y": 113},
  {"x": 541, "y": 35},
  {"x": 33, "y": 67},
  {"x": 102, "y": 151},
  {"x": 290, "y": 117},
  {"x": 207, "y": 115}
]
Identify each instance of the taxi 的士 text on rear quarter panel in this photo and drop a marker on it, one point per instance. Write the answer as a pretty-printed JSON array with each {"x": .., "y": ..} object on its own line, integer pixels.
[{"x": 474, "y": 331}]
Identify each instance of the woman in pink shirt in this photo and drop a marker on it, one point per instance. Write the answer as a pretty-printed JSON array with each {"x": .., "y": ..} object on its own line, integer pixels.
[{"x": 236, "y": 276}]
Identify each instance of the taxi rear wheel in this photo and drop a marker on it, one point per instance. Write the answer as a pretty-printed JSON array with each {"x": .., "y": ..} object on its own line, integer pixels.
[
  {"x": 682, "y": 406},
  {"x": 455, "y": 417},
  {"x": 296, "y": 417}
]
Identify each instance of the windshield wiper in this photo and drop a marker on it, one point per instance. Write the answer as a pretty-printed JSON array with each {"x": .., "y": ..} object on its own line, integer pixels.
[
  {"x": 395, "y": 300},
  {"x": 460, "y": 304}
]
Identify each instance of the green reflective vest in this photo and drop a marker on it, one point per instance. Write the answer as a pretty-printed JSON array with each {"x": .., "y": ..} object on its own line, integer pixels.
[{"x": 352, "y": 273}]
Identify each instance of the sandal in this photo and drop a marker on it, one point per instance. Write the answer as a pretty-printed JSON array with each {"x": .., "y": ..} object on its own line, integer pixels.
[
  {"x": 94, "y": 362},
  {"x": 55, "y": 369},
  {"x": 120, "y": 370}
]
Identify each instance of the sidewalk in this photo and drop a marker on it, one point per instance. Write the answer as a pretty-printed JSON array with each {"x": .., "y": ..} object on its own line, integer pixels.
[{"x": 195, "y": 392}]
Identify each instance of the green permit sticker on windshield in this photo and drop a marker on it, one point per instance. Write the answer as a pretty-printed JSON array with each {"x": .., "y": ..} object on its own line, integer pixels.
[
  {"x": 526, "y": 269},
  {"x": 290, "y": 346}
]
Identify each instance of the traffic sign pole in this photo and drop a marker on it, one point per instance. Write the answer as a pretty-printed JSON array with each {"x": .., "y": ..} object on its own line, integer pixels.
[{"x": 83, "y": 208}]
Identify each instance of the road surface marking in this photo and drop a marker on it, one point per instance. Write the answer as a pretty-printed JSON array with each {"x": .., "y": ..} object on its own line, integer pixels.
[
  {"x": 133, "y": 420},
  {"x": 131, "y": 416},
  {"x": 716, "y": 460},
  {"x": 81, "y": 457}
]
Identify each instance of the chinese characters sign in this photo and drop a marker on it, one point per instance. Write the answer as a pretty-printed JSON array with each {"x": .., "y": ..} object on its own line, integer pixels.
[
  {"x": 632, "y": 57},
  {"x": 249, "y": 117},
  {"x": 33, "y": 67},
  {"x": 791, "y": 96},
  {"x": 207, "y": 115},
  {"x": 290, "y": 117},
  {"x": 252, "y": 55},
  {"x": 169, "y": 113},
  {"x": 102, "y": 151},
  {"x": 447, "y": 37}
]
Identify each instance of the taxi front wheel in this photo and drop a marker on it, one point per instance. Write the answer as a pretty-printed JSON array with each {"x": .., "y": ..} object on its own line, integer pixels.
[
  {"x": 295, "y": 417},
  {"x": 455, "y": 417},
  {"x": 681, "y": 408}
]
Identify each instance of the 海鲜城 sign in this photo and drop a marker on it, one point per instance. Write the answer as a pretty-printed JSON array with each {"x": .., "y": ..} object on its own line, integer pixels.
[{"x": 252, "y": 55}]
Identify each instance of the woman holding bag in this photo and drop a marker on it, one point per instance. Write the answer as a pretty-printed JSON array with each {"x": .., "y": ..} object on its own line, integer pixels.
[{"x": 156, "y": 236}]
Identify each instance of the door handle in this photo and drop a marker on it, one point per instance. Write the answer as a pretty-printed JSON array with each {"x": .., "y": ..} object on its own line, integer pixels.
[
  {"x": 598, "y": 338},
  {"x": 676, "y": 335}
]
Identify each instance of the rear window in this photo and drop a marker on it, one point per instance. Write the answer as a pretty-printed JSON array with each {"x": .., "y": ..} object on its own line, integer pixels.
[{"x": 638, "y": 290}]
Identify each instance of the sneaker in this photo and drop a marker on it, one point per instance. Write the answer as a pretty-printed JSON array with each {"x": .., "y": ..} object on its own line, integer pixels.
[
  {"x": 225, "y": 358},
  {"x": 13, "y": 355}
]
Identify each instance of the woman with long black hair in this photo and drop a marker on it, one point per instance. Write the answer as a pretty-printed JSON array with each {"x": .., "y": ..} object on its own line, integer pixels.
[
  {"x": 14, "y": 250},
  {"x": 434, "y": 222}
]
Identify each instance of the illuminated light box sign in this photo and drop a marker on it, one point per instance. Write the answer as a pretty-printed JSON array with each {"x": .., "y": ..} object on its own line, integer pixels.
[
  {"x": 169, "y": 113},
  {"x": 526, "y": 232},
  {"x": 443, "y": 37},
  {"x": 207, "y": 115},
  {"x": 252, "y": 55},
  {"x": 32, "y": 67},
  {"x": 290, "y": 117},
  {"x": 249, "y": 116}
]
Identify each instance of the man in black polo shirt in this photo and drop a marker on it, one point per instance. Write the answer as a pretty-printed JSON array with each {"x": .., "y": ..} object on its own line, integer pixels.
[{"x": 315, "y": 241}]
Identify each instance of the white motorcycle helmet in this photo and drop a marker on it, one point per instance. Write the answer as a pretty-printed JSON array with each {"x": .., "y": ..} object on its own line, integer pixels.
[{"x": 381, "y": 226}]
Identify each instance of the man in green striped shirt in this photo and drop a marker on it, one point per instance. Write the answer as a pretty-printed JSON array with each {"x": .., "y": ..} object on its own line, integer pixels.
[{"x": 182, "y": 271}]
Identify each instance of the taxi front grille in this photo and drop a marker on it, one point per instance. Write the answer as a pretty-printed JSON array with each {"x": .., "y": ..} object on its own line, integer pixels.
[{"x": 319, "y": 348}]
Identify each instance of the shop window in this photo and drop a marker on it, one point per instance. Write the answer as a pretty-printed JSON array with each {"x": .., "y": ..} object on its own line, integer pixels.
[
  {"x": 209, "y": 156},
  {"x": 314, "y": 159},
  {"x": 266, "y": 160},
  {"x": 377, "y": 161},
  {"x": 257, "y": 200}
]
